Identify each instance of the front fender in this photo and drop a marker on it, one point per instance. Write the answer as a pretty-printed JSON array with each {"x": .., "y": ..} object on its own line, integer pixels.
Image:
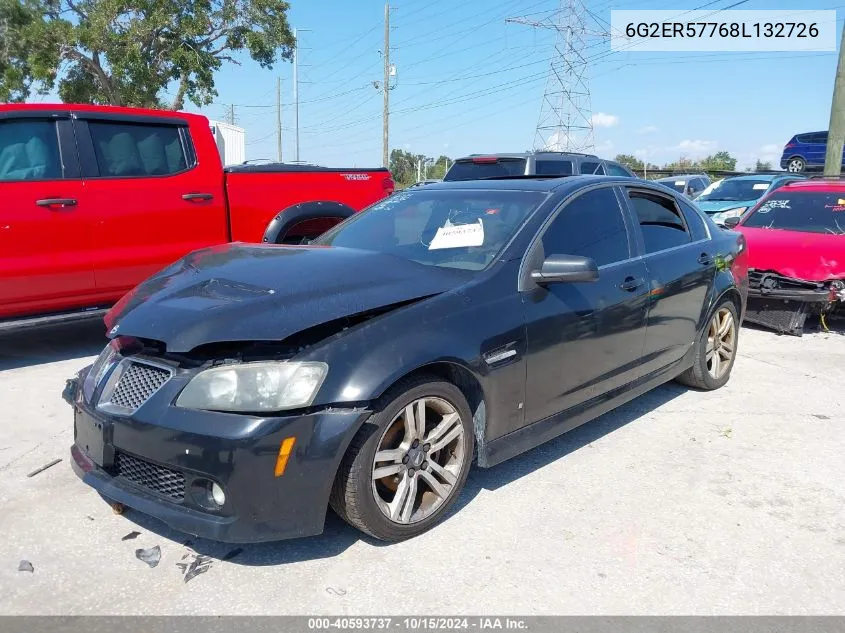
[{"x": 467, "y": 330}]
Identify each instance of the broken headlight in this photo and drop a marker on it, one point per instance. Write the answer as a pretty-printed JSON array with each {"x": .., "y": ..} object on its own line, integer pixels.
[
  {"x": 98, "y": 370},
  {"x": 254, "y": 387}
]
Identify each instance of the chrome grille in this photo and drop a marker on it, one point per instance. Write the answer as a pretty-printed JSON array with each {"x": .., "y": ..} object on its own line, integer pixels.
[
  {"x": 136, "y": 384},
  {"x": 164, "y": 481}
]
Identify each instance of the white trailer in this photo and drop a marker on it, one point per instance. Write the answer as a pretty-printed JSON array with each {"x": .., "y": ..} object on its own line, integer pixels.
[{"x": 231, "y": 142}]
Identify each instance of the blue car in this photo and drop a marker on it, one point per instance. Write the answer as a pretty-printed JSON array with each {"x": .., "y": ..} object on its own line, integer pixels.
[
  {"x": 805, "y": 152},
  {"x": 730, "y": 197}
]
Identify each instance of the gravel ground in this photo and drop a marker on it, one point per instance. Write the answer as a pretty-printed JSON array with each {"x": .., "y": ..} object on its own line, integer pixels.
[{"x": 728, "y": 502}]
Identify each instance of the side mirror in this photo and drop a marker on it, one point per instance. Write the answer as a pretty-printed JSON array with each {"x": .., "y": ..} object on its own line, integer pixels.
[
  {"x": 561, "y": 268},
  {"x": 733, "y": 222}
]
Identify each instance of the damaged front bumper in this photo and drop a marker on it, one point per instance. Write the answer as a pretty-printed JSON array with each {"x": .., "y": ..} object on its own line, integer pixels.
[
  {"x": 162, "y": 461},
  {"x": 783, "y": 303}
]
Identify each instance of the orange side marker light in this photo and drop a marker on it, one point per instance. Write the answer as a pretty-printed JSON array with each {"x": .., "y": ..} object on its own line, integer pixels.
[{"x": 285, "y": 449}]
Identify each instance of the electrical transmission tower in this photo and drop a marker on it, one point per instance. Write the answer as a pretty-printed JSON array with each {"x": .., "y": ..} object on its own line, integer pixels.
[{"x": 565, "y": 122}]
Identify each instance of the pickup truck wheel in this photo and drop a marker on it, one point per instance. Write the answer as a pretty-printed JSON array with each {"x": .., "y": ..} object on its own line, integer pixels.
[
  {"x": 407, "y": 465},
  {"x": 715, "y": 350}
]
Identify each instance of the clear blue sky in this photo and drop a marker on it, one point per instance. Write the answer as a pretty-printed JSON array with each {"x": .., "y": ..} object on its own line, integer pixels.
[{"x": 468, "y": 82}]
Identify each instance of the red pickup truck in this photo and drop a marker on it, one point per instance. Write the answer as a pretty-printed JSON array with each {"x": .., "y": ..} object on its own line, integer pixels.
[{"x": 94, "y": 199}]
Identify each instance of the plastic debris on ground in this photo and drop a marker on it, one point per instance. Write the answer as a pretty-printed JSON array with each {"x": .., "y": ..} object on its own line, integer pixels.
[{"x": 150, "y": 556}]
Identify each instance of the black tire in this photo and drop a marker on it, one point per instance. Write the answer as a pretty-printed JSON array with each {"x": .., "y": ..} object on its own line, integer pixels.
[
  {"x": 352, "y": 496},
  {"x": 698, "y": 376}
]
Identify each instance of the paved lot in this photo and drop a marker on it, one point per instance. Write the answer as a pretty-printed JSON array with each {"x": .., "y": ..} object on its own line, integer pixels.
[{"x": 680, "y": 502}]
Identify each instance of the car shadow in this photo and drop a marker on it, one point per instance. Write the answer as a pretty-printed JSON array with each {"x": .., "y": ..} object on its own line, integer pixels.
[
  {"x": 338, "y": 536},
  {"x": 51, "y": 343}
]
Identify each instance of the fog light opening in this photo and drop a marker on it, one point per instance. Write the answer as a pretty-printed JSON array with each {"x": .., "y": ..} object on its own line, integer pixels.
[{"x": 217, "y": 494}]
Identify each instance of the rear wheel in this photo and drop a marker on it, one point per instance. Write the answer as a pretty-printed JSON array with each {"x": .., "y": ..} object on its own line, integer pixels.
[
  {"x": 715, "y": 351},
  {"x": 407, "y": 465},
  {"x": 796, "y": 165}
]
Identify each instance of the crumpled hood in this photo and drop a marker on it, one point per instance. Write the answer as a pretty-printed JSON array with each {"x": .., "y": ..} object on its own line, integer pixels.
[
  {"x": 266, "y": 293},
  {"x": 809, "y": 256},
  {"x": 715, "y": 206}
]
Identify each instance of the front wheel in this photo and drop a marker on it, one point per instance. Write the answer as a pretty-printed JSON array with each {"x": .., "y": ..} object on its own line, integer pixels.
[
  {"x": 715, "y": 351},
  {"x": 796, "y": 165},
  {"x": 406, "y": 466}
]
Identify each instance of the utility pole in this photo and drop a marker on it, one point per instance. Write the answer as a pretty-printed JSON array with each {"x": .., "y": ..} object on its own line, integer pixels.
[
  {"x": 836, "y": 129},
  {"x": 386, "y": 88},
  {"x": 279, "y": 119},
  {"x": 230, "y": 116},
  {"x": 296, "y": 93}
]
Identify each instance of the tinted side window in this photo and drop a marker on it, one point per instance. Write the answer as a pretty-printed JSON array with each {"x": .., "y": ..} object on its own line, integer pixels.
[
  {"x": 695, "y": 222},
  {"x": 591, "y": 167},
  {"x": 553, "y": 168},
  {"x": 29, "y": 150},
  {"x": 592, "y": 225},
  {"x": 617, "y": 170},
  {"x": 132, "y": 149},
  {"x": 821, "y": 137},
  {"x": 660, "y": 221}
]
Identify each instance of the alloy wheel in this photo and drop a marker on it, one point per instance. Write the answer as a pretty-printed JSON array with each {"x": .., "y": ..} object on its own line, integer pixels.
[
  {"x": 721, "y": 343},
  {"x": 418, "y": 460},
  {"x": 796, "y": 165}
]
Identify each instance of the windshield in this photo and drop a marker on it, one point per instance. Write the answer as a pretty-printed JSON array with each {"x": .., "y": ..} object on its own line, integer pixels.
[
  {"x": 807, "y": 212},
  {"x": 735, "y": 190},
  {"x": 450, "y": 228},
  {"x": 469, "y": 170}
]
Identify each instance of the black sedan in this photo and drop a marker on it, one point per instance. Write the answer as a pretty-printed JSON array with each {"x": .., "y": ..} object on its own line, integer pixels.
[{"x": 247, "y": 388}]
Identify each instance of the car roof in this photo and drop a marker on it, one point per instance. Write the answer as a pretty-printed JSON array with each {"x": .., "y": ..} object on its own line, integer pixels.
[
  {"x": 815, "y": 184},
  {"x": 534, "y": 183},
  {"x": 98, "y": 109},
  {"x": 681, "y": 177},
  {"x": 526, "y": 155},
  {"x": 769, "y": 177}
]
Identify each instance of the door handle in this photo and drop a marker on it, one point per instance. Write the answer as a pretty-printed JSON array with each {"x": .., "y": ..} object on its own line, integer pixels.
[
  {"x": 704, "y": 259},
  {"x": 631, "y": 283},
  {"x": 56, "y": 202},
  {"x": 197, "y": 196}
]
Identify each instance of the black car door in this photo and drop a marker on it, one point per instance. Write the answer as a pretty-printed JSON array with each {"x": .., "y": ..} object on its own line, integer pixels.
[
  {"x": 584, "y": 339},
  {"x": 681, "y": 266}
]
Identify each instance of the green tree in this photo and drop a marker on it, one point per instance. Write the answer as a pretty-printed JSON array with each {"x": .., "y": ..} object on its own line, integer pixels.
[
  {"x": 762, "y": 166},
  {"x": 629, "y": 160},
  {"x": 129, "y": 52},
  {"x": 719, "y": 161}
]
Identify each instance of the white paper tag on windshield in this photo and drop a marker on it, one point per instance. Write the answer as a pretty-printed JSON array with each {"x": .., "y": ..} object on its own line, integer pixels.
[
  {"x": 762, "y": 185},
  {"x": 458, "y": 236},
  {"x": 679, "y": 183}
]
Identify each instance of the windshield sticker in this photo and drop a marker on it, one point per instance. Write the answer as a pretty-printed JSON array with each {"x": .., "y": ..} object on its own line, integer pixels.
[
  {"x": 773, "y": 204},
  {"x": 679, "y": 183},
  {"x": 458, "y": 236},
  {"x": 761, "y": 186}
]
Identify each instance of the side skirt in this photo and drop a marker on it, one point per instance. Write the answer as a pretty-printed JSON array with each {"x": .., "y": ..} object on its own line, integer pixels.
[{"x": 526, "y": 438}]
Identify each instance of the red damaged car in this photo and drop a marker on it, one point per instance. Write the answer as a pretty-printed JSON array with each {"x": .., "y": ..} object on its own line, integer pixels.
[{"x": 796, "y": 254}]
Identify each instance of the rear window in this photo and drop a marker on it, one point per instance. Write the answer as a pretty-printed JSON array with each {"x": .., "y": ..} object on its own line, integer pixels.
[
  {"x": 553, "y": 168},
  {"x": 29, "y": 150},
  {"x": 677, "y": 185},
  {"x": 806, "y": 212},
  {"x": 137, "y": 150},
  {"x": 469, "y": 170},
  {"x": 591, "y": 167}
]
